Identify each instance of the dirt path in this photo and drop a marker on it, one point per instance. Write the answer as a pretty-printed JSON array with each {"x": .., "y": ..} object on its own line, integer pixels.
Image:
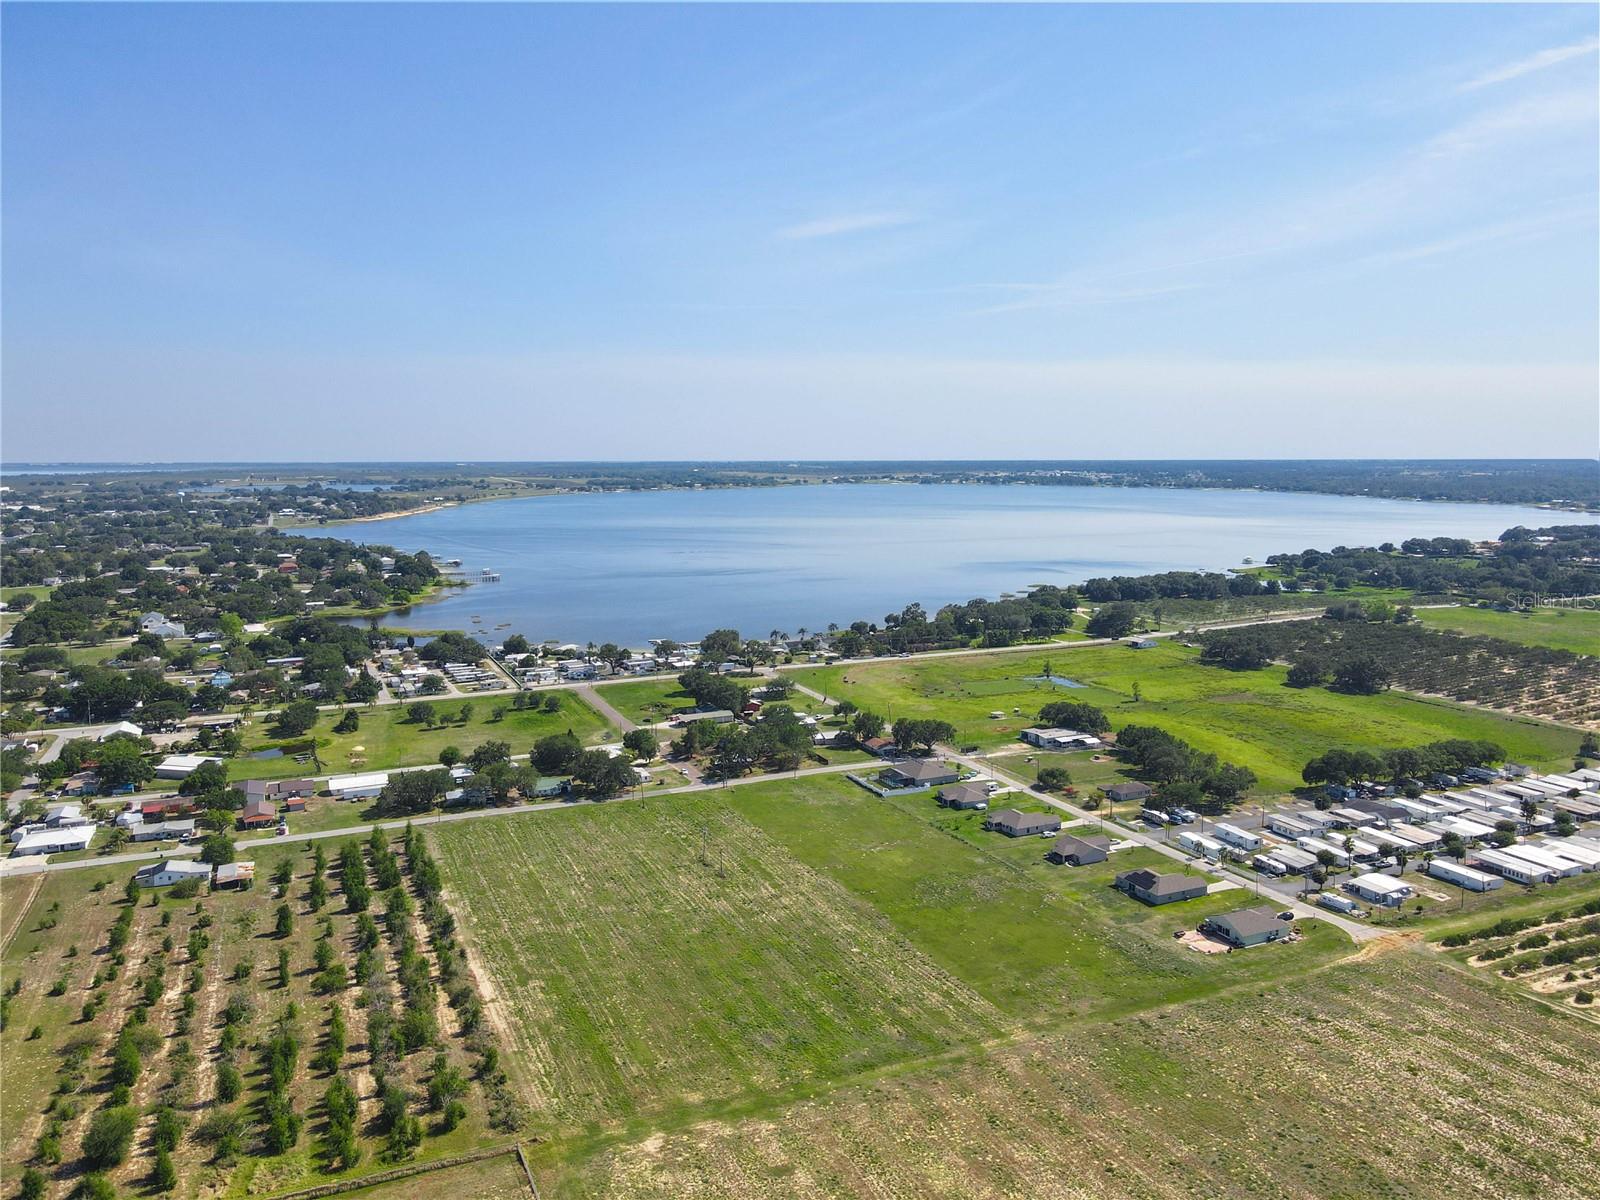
[{"x": 19, "y": 912}]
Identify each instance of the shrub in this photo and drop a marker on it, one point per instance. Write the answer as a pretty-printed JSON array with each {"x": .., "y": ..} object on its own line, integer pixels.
[{"x": 109, "y": 1137}]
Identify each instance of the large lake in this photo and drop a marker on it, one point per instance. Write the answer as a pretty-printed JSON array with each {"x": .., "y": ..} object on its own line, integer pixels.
[{"x": 629, "y": 566}]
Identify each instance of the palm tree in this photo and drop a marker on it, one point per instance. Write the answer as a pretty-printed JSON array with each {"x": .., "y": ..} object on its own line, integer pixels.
[{"x": 1402, "y": 857}]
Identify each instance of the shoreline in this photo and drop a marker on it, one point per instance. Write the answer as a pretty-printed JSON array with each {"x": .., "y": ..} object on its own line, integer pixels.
[
  {"x": 1572, "y": 507},
  {"x": 390, "y": 516}
]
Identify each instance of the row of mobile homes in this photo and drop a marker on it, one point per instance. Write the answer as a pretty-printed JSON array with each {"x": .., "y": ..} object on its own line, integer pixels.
[
  {"x": 1465, "y": 877},
  {"x": 1287, "y": 826},
  {"x": 1559, "y": 863},
  {"x": 1240, "y": 839},
  {"x": 1199, "y": 843},
  {"x": 1420, "y": 839},
  {"x": 1287, "y": 860},
  {"x": 1378, "y": 888},
  {"x": 1579, "y": 849},
  {"x": 1316, "y": 847},
  {"x": 1517, "y": 870}
]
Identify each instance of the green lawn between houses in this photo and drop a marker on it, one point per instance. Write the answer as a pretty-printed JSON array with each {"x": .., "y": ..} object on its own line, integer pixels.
[
  {"x": 1246, "y": 717},
  {"x": 663, "y": 960},
  {"x": 1574, "y": 629},
  {"x": 389, "y": 737}
]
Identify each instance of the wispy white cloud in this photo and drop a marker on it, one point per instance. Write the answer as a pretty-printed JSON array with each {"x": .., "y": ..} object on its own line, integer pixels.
[
  {"x": 1520, "y": 229},
  {"x": 847, "y": 223},
  {"x": 1443, "y": 175},
  {"x": 1533, "y": 62}
]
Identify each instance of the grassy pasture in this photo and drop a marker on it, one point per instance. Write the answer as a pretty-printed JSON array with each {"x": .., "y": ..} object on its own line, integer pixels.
[
  {"x": 1346, "y": 1082},
  {"x": 823, "y": 935},
  {"x": 391, "y": 739},
  {"x": 638, "y": 980},
  {"x": 1247, "y": 717},
  {"x": 1040, "y": 942},
  {"x": 1577, "y": 630}
]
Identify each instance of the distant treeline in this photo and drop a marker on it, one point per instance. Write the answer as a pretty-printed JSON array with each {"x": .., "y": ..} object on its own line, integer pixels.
[
  {"x": 1511, "y": 481},
  {"x": 1559, "y": 561}
]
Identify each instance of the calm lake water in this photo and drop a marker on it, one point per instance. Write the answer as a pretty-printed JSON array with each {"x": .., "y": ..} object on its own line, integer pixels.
[{"x": 629, "y": 566}]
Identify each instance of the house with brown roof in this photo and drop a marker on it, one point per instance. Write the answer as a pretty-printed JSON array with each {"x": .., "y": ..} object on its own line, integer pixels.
[{"x": 258, "y": 814}]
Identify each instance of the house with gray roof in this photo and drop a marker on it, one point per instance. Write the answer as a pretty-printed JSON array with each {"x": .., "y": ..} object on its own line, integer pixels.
[
  {"x": 1246, "y": 927},
  {"x": 918, "y": 773},
  {"x": 964, "y": 796},
  {"x": 1079, "y": 851},
  {"x": 1155, "y": 888},
  {"x": 1015, "y": 823}
]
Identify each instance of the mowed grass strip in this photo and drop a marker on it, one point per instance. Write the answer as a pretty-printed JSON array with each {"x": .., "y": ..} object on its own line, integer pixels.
[
  {"x": 1394, "y": 1076},
  {"x": 1245, "y": 717},
  {"x": 1574, "y": 629},
  {"x": 1043, "y": 943},
  {"x": 656, "y": 956}
]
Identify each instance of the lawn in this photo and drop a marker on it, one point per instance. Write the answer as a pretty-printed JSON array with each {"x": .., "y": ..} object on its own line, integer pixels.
[
  {"x": 1246, "y": 717},
  {"x": 647, "y": 701},
  {"x": 389, "y": 738},
  {"x": 1372, "y": 1078},
  {"x": 1574, "y": 629}
]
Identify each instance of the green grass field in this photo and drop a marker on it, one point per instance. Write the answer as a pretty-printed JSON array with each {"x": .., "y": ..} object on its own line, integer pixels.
[
  {"x": 659, "y": 961},
  {"x": 637, "y": 979},
  {"x": 1393, "y": 1077},
  {"x": 1246, "y": 717},
  {"x": 1577, "y": 630},
  {"x": 389, "y": 738},
  {"x": 647, "y": 701}
]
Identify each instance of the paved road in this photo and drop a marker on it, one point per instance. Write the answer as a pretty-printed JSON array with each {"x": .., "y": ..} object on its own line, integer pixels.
[
  {"x": 33, "y": 865},
  {"x": 593, "y": 700}
]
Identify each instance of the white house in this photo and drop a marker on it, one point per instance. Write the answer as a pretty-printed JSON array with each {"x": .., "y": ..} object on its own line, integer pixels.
[
  {"x": 1059, "y": 739},
  {"x": 358, "y": 787},
  {"x": 53, "y": 841},
  {"x": 1466, "y": 877},
  {"x": 157, "y": 623},
  {"x": 181, "y": 766},
  {"x": 174, "y": 870},
  {"x": 1234, "y": 836},
  {"x": 1377, "y": 888},
  {"x": 127, "y": 727}
]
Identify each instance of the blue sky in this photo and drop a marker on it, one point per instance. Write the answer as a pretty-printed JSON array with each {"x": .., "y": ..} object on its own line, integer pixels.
[{"x": 326, "y": 232}]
